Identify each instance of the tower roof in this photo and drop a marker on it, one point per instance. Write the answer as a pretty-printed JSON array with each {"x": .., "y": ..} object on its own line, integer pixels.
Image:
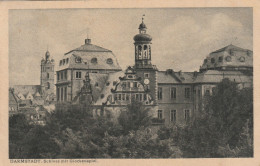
[{"x": 142, "y": 36}]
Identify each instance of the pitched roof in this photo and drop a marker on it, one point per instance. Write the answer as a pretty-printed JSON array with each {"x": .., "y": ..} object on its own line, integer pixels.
[
  {"x": 230, "y": 47},
  {"x": 25, "y": 89},
  {"x": 165, "y": 77},
  {"x": 90, "y": 48},
  {"x": 215, "y": 76},
  {"x": 106, "y": 90},
  {"x": 96, "y": 60}
]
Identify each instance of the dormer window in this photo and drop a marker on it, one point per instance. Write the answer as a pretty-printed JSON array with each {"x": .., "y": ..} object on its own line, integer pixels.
[
  {"x": 212, "y": 60},
  {"x": 205, "y": 60},
  {"x": 67, "y": 60},
  {"x": 228, "y": 58},
  {"x": 60, "y": 62},
  {"x": 94, "y": 60},
  {"x": 242, "y": 59},
  {"x": 78, "y": 60},
  {"x": 63, "y": 61},
  {"x": 109, "y": 61}
]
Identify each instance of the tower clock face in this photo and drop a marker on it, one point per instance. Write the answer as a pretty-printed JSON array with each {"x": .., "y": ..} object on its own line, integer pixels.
[{"x": 146, "y": 81}]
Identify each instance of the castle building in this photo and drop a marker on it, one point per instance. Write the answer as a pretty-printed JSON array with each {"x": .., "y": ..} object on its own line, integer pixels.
[
  {"x": 74, "y": 65},
  {"x": 172, "y": 97}
]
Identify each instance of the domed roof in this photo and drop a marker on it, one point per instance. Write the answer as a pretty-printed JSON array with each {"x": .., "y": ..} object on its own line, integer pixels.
[{"x": 142, "y": 38}]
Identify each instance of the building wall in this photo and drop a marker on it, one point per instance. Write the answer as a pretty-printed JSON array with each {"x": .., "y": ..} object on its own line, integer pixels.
[
  {"x": 152, "y": 81},
  {"x": 70, "y": 80},
  {"x": 180, "y": 103}
]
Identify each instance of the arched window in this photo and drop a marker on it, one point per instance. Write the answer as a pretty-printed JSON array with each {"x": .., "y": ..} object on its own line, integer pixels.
[
  {"x": 145, "y": 52},
  {"x": 139, "y": 52},
  {"x": 136, "y": 52}
]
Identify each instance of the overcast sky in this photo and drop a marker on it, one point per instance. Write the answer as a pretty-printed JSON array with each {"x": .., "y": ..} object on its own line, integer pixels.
[{"x": 182, "y": 38}]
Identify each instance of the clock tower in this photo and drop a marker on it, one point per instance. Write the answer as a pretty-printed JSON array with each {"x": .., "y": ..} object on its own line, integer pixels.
[{"x": 143, "y": 56}]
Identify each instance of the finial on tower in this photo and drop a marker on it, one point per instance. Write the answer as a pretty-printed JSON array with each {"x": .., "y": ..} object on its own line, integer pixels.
[{"x": 143, "y": 18}]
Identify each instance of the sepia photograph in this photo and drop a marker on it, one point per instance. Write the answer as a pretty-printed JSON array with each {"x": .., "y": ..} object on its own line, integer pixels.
[{"x": 134, "y": 83}]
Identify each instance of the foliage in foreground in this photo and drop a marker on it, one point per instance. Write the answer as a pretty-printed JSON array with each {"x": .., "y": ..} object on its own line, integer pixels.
[{"x": 223, "y": 129}]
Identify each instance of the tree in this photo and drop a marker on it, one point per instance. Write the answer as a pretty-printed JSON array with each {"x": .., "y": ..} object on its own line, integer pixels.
[
  {"x": 219, "y": 131},
  {"x": 134, "y": 117}
]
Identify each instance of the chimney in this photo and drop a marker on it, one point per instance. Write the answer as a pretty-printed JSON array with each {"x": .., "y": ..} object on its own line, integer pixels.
[{"x": 87, "y": 41}]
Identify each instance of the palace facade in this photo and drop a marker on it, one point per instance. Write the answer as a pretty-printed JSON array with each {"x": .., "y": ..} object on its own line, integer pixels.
[{"x": 91, "y": 74}]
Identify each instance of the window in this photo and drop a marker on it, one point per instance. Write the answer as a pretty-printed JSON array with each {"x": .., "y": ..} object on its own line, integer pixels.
[
  {"x": 48, "y": 75},
  {"x": 173, "y": 116},
  {"x": 228, "y": 58},
  {"x": 127, "y": 97},
  {"x": 94, "y": 60},
  {"x": 147, "y": 87},
  {"x": 61, "y": 94},
  {"x": 65, "y": 93},
  {"x": 199, "y": 94},
  {"x": 187, "y": 115},
  {"x": 48, "y": 85},
  {"x": 149, "y": 56},
  {"x": 212, "y": 60},
  {"x": 145, "y": 97},
  {"x": 130, "y": 76},
  {"x": 146, "y": 75},
  {"x": 119, "y": 96},
  {"x": 135, "y": 84},
  {"x": 136, "y": 96},
  {"x": 140, "y": 97},
  {"x": 160, "y": 93},
  {"x": 78, "y": 74},
  {"x": 214, "y": 90},
  {"x": 128, "y": 84},
  {"x": 109, "y": 61},
  {"x": 63, "y": 61},
  {"x": 58, "y": 94},
  {"x": 187, "y": 93},
  {"x": 78, "y": 60},
  {"x": 207, "y": 92},
  {"x": 160, "y": 115},
  {"x": 115, "y": 97},
  {"x": 205, "y": 60},
  {"x": 65, "y": 74},
  {"x": 123, "y": 96},
  {"x": 96, "y": 84},
  {"x": 60, "y": 62},
  {"x": 173, "y": 93},
  {"x": 67, "y": 60},
  {"x": 220, "y": 59},
  {"x": 61, "y": 75},
  {"x": 58, "y": 76}
]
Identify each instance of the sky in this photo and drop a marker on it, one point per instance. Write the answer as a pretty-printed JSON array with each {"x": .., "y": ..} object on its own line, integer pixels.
[{"x": 182, "y": 37}]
